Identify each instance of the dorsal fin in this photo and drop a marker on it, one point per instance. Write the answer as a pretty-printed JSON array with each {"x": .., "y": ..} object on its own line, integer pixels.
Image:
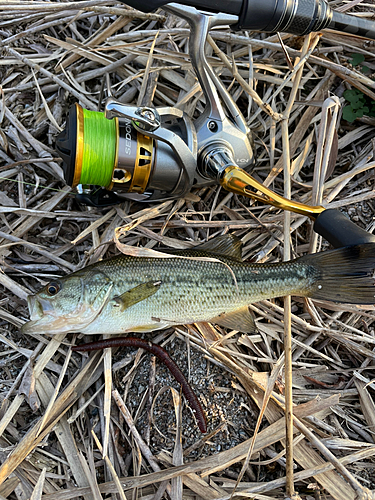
[{"x": 227, "y": 245}]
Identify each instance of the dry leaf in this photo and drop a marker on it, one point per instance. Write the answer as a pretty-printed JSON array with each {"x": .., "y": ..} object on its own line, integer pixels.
[{"x": 27, "y": 387}]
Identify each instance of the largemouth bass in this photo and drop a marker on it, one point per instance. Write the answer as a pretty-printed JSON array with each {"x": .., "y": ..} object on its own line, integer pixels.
[{"x": 209, "y": 283}]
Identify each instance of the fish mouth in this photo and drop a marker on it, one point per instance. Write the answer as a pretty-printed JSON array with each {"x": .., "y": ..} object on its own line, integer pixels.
[
  {"x": 38, "y": 307},
  {"x": 36, "y": 314},
  {"x": 53, "y": 325},
  {"x": 43, "y": 318},
  {"x": 42, "y": 325},
  {"x": 35, "y": 307}
]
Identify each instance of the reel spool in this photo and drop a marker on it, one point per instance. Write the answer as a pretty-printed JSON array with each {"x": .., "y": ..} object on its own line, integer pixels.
[{"x": 113, "y": 154}]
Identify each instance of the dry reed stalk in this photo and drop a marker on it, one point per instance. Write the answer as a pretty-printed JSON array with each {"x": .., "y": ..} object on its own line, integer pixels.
[
  {"x": 290, "y": 491},
  {"x": 65, "y": 52}
]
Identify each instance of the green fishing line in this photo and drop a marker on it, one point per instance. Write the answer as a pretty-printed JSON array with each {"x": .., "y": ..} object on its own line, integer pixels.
[{"x": 99, "y": 149}]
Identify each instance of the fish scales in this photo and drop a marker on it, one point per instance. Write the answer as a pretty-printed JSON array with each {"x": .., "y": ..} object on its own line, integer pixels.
[{"x": 130, "y": 294}]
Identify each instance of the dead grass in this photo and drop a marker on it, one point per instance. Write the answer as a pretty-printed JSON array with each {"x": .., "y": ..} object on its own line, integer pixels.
[{"x": 64, "y": 433}]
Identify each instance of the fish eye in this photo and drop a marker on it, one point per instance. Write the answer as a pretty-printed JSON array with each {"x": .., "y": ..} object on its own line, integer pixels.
[{"x": 53, "y": 288}]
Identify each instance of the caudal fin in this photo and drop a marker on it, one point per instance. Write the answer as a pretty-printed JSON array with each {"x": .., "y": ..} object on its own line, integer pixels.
[{"x": 343, "y": 275}]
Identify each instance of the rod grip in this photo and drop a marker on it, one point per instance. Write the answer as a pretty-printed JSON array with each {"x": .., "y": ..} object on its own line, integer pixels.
[
  {"x": 339, "y": 230},
  {"x": 352, "y": 24}
]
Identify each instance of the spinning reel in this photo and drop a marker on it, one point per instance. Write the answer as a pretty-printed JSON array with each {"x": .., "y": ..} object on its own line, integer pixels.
[{"x": 161, "y": 153}]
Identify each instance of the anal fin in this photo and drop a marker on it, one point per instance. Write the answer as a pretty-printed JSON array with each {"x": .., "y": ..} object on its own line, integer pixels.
[{"x": 240, "y": 319}]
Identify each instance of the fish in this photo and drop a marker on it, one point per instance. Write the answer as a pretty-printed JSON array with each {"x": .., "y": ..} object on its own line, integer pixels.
[{"x": 208, "y": 283}]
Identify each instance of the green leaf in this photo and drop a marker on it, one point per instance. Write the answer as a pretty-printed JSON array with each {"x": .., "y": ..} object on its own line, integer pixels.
[
  {"x": 365, "y": 70},
  {"x": 359, "y": 113},
  {"x": 357, "y": 59},
  {"x": 357, "y": 105},
  {"x": 350, "y": 93},
  {"x": 360, "y": 104},
  {"x": 348, "y": 114},
  {"x": 353, "y": 95}
]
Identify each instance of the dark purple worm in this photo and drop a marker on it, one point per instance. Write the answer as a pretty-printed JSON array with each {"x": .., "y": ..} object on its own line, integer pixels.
[{"x": 163, "y": 355}]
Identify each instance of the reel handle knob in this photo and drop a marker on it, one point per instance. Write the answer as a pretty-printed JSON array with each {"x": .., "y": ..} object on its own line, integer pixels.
[{"x": 339, "y": 230}]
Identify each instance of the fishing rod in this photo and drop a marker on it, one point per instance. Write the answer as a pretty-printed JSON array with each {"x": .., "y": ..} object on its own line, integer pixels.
[
  {"x": 298, "y": 17},
  {"x": 154, "y": 154}
]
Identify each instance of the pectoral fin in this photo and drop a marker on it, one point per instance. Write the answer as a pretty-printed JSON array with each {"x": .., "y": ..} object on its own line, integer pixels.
[
  {"x": 137, "y": 294},
  {"x": 241, "y": 320}
]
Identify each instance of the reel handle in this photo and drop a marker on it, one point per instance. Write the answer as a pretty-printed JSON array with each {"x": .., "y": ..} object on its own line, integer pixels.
[{"x": 330, "y": 223}]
